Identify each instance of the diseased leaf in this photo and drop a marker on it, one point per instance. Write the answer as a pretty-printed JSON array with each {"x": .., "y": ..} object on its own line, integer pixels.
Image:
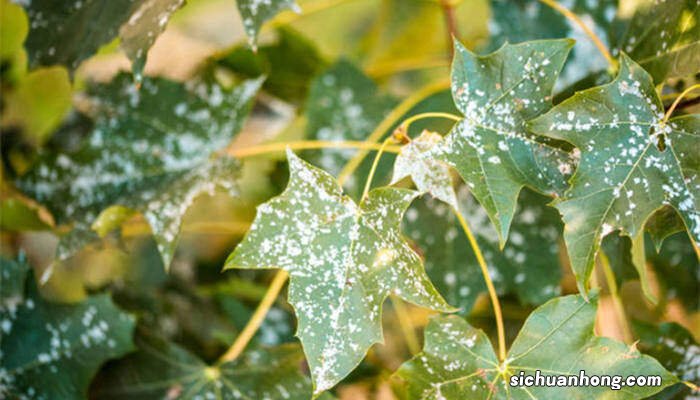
[
  {"x": 458, "y": 361},
  {"x": 344, "y": 104},
  {"x": 161, "y": 369},
  {"x": 143, "y": 28},
  {"x": 490, "y": 147},
  {"x": 676, "y": 349},
  {"x": 429, "y": 175},
  {"x": 664, "y": 38},
  {"x": 527, "y": 266},
  {"x": 289, "y": 64},
  {"x": 343, "y": 260},
  {"x": 68, "y": 32},
  {"x": 150, "y": 151},
  {"x": 623, "y": 177},
  {"x": 255, "y": 12},
  {"x": 52, "y": 351},
  {"x": 516, "y": 21}
]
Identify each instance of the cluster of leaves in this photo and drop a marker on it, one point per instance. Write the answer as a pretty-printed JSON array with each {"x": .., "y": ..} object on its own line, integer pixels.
[{"x": 550, "y": 181}]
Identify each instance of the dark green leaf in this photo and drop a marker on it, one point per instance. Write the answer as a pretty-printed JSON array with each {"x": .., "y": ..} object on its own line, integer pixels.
[
  {"x": 676, "y": 350},
  {"x": 343, "y": 259},
  {"x": 161, "y": 369},
  {"x": 52, "y": 351},
  {"x": 344, "y": 104},
  {"x": 149, "y": 151},
  {"x": 623, "y": 177},
  {"x": 491, "y": 148},
  {"x": 288, "y": 64},
  {"x": 458, "y": 361},
  {"x": 528, "y": 265}
]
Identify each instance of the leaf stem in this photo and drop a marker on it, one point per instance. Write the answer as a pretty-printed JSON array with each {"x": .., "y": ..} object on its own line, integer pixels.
[
  {"x": 678, "y": 100},
  {"x": 575, "y": 18},
  {"x": 615, "y": 295},
  {"x": 387, "y": 123},
  {"x": 370, "y": 176},
  {"x": 307, "y": 145},
  {"x": 256, "y": 320},
  {"x": 406, "y": 326},
  {"x": 408, "y": 121},
  {"x": 489, "y": 285}
]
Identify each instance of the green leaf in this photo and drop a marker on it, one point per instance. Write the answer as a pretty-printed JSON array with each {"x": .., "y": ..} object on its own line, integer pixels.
[
  {"x": 520, "y": 20},
  {"x": 161, "y": 369},
  {"x": 343, "y": 260},
  {"x": 490, "y": 147},
  {"x": 528, "y": 265},
  {"x": 623, "y": 177},
  {"x": 52, "y": 351},
  {"x": 664, "y": 38},
  {"x": 678, "y": 270},
  {"x": 69, "y": 32},
  {"x": 143, "y": 28},
  {"x": 344, "y": 104},
  {"x": 429, "y": 175},
  {"x": 459, "y": 362},
  {"x": 255, "y": 12},
  {"x": 289, "y": 64},
  {"x": 13, "y": 29},
  {"x": 676, "y": 349},
  {"x": 150, "y": 151}
]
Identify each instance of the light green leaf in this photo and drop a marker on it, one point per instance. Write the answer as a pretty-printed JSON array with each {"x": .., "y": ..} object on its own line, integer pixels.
[
  {"x": 491, "y": 148},
  {"x": 428, "y": 174},
  {"x": 161, "y": 368},
  {"x": 255, "y": 12},
  {"x": 528, "y": 265},
  {"x": 143, "y": 28},
  {"x": 52, "y": 351},
  {"x": 344, "y": 104},
  {"x": 458, "y": 361},
  {"x": 343, "y": 260},
  {"x": 623, "y": 177},
  {"x": 664, "y": 38},
  {"x": 150, "y": 151}
]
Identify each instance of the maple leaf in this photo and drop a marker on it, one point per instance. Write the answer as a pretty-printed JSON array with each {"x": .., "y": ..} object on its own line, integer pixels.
[
  {"x": 458, "y": 361},
  {"x": 491, "y": 148},
  {"x": 623, "y": 177},
  {"x": 343, "y": 260}
]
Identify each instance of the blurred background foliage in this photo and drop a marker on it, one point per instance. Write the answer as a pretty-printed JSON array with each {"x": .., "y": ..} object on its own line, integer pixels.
[{"x": 388, "y": 49}]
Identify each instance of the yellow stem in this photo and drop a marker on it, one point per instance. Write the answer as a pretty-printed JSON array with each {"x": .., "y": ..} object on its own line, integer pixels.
[
  {"x": 408, "y": 121},
  {"x": 307, "y": 145},
  {"x": 390, "y": 68},
  {"x": 615, "y": 295},
  {"x": 678, "y": 100},
  {"x": 216, "y": 228},
  {"x": 489, "y": 285},
  {"x": 387, "y": 123},
  {"x": 372, "y": 170},
  {"x": 406, "y": 326},
  {"x": 575, "y": 18},
  {"x": 254, "y": 323}
]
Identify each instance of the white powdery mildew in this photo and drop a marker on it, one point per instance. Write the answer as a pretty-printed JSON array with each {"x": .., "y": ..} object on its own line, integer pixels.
[
  {"x": 343, "y": 259},
  {"x": 428, "y": 174},
  {"x": 147, "y": 145},
  {"x": 623, "y": 177},
  {"x": 491, "y": 148},
  {"x": 255, "y": 12}
]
